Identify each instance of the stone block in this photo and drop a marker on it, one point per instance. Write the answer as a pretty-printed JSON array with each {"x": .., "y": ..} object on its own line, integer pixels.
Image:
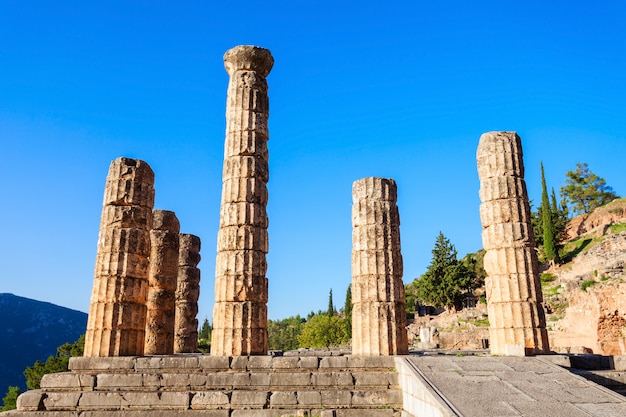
[
  {"x": 508, "y": 235},
  {"x": 309, "y": 399},
  {"x": 59, "y": 401},
  {"x": 248, "y": 262},
  {"x": 210, "y": 400},
  {"x": 386, "y": 412},
  {"x": 198, "y": 380},
  {"x": 77, "y": 363},
  {"x": 507, "y": 210},
  {"x": 372, "y": 362},
  {"x": 239, "y": 238},
  {"x": 381, "y": 189},
  {"x": 67, "y": 381},
  {"x": 260, "y": 379},
  {"x": 166, "y": 400},
  {"x": 375, "y": 212},
  {"x": 290, "y": 379},
  {"x": 245, "y": 167},
  {"x": 338, "y": 362},
  {"x": 283, "y": 398},
  {"x": 244, "y": 190},
  {"x": 130, "y": 182},
  {"x": 497, "y": 188},
  {"x": 220, "y": 380},
  {"x": 101, "y": 401},
  {"x": 31, "y": 400},
  {"x": 121, "y": 217},
  {"x": 239, "y": 363},
  {"x": 499, "y": 154},
  {"x": 375, "y": 237},
  {"x": 256, "y": 122},
  {"x": 373, "y": 379},
  {"x": 260, "y": 362},
  {"x": 241, "y": 287},
  {"x": 335, "y": 398},
  {"x": 252, "y": 399},
  {"x": 175, "y": 381},
  {"x": 309, "y": 362},
  {"x": 214, "y": 362},
  {"x": 283, "y": 362},
  {"x": 332, "y": 379},
  {"x": 619, "y": 362},
  {"x": 377, "y": 398},
  {"x": 387, "y": 263},
  {"x": 247, "y": 143}
]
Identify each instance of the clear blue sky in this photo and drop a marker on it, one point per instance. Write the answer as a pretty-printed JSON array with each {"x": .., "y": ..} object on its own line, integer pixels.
[{"x": 399, "y": 89}]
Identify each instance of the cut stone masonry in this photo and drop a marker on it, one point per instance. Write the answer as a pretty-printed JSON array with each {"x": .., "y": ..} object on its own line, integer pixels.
[
  {"x": 378, "y": 314},
  {"x": 240, "y": 311},
  {"x": 516, "y": 316},
  {"x": 117, "y": 312},
  {"x": 187, "y": 294},
  {"x": 163, "y": 278}
]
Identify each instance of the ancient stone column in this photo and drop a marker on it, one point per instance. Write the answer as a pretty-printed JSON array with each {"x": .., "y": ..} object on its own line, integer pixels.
[
  {"x": 240, "y": 311},
  {"x": 187, "y": 294},
  {"x": 378, "y": 314},
  {"x": 117, "y": 313},
  {"x": 516, "y": 316},
  {"x": 162, "y": 281}
]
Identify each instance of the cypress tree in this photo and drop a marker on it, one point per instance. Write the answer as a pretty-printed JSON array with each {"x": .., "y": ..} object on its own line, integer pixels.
[
  {"x": 331, "y": 307},
  {"x": 549, "y": 235},
  {"x": 347, "y": 309}
]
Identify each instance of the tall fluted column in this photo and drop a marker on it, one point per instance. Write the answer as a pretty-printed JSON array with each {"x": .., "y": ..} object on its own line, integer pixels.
[
  {"x": 117, "y": 313},
  {"x": 378, "y": 314},
  {"x": 516, "y": 316},
  {"x": 187, "y": 294},
  {"x": 240, "y": 311},
  {"x": 162, "y": 283}
]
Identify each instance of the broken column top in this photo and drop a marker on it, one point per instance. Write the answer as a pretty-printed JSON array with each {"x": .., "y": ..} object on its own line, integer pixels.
[
  {"x": 492, "y": 158},
  {"x": 130, "y": 182},
  {"x": 165, "y": 220},
  {"x": 376, "y": 188},
  {"x": 248, "y": 58}
]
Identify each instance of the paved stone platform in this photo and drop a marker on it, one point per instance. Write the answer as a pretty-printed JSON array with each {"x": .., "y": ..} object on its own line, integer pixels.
[{"x": 484, "y": 386}]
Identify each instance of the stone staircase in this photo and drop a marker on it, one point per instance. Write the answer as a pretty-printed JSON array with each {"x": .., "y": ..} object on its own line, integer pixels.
[{"x": 211, "y": 386}]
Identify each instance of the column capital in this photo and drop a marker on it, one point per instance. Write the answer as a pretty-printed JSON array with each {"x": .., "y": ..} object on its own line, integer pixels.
[{"x": 248, "y": 58}]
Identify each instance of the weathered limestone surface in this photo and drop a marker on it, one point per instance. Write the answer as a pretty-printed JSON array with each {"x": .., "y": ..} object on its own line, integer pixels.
[
  {"x": 378, "y": 315},
  {"x": 240, "y": 312},
  {"x": 187, "y": 294},
  {"x": 162, "y": 281},
  {"x": 516, "y": 316},
  {"x": 117, "y": 312}
]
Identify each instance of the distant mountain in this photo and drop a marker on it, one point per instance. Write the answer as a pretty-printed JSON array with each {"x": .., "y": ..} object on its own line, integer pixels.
[{"x": 32, "y": 330}]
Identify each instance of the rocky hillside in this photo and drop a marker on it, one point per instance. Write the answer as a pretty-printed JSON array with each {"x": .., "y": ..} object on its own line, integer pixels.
[
  {"x": 584, "y": 297},
  {"x": 32, "y": 330}
]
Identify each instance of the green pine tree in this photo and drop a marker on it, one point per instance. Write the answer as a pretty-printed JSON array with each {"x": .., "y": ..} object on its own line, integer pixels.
[
  {"x": 447, "y": 280},
  {"x": 331, "y": 307},
  {"x": 584, "y": 190},
  {"x": 549, "y": 236},
  {"x": 10, "y": 399},
  {"x": 347, "y": 309}
]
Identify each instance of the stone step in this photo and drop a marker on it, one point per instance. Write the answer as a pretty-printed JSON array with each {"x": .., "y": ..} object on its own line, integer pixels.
[
  {"x": 214, "y": 413},
  {"x": 55, "y": 401},
  {"x": 180, "y": 381},
  {"x": 615, "y": 380}
]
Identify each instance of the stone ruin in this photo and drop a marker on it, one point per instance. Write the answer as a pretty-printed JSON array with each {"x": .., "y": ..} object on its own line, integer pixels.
[
  {"x": 146, "y": 288},
  {"x": 516, "y": 316},
  {"x": 240, "y": 311},
  {"x": 134, "y": 301},
  {"x": 378, "y": 314}
]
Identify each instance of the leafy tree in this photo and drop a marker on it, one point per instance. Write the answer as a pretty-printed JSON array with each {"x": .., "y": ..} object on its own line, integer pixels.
[
  {"x": 323, "y": 330},
  {"x": 474, "y": 262},
  {"x": 585, "y": 191},
  {"x": 283, "y": 334},
  {"x": 204, "y": 336},
  {"x": 331, "y": 307},
  {"x": 447, "y": 280},
  {"x": 410, "y": 298},
  {"x": 57, "y": 363},
  {"x": 549, "y": 233},
  {"x": 347, "y": 309},
  {"x": 10, "y": 399},
  {"x": 559, "y": 216}
]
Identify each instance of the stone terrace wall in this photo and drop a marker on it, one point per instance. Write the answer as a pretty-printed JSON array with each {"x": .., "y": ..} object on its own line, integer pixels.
[{"x": 212, "y": 386}]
